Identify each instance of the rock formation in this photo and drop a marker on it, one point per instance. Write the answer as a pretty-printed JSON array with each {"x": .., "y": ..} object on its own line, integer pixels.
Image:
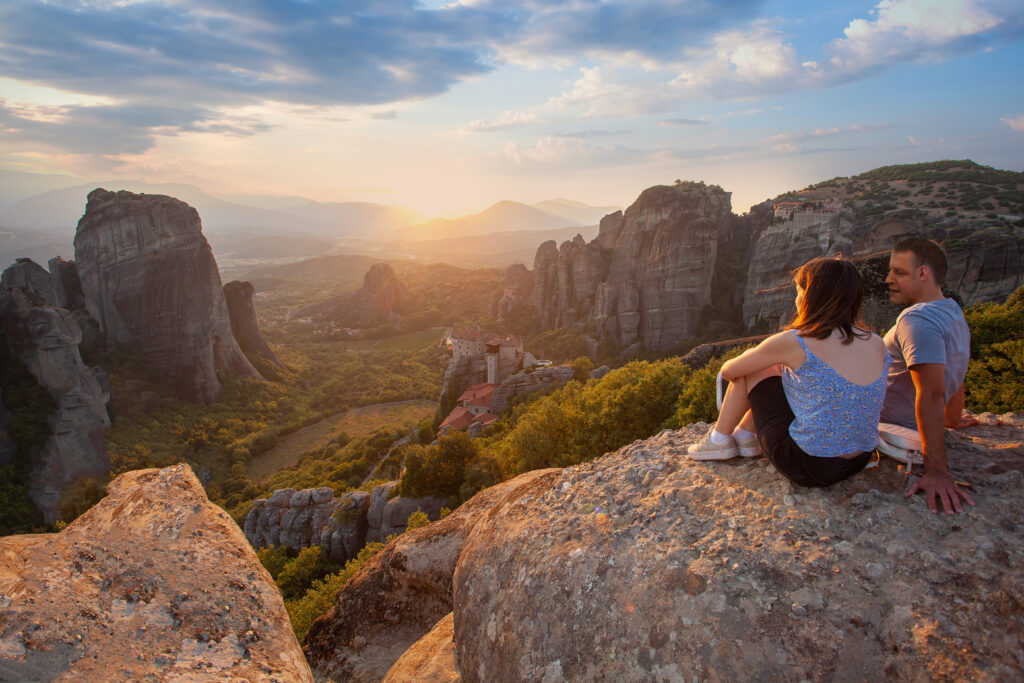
[
  {"x": 643, "y": 565},
  {"x": 341, "y": 526},
  {"x": 153, "y": 583},
  {"x": 367, "y": 307},
  {"x": 403, "y": 591},
  {"x": 642, "y": 282},
  {"x": 985, "y": 263},
  {"x": 151, "y": 283},
  {"x": 46, "y": 338},
  {"x": 241, "y": 300},
  {"x": 431, "y": 659}
]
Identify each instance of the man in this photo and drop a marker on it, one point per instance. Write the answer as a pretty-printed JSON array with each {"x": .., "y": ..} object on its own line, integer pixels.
[{"x": 930, "y": 347}]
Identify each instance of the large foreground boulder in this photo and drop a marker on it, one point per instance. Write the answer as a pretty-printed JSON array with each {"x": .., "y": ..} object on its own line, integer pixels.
[
  {"x": 646, "y": 566},
  {"x": 403, "y": 591},
  {"x": 153, "y": 583}
]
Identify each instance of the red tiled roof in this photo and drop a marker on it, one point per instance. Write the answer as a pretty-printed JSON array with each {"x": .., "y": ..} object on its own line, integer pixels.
[
  {"x": 478, "y": 394},
  {"x": 459, "y": 418}
]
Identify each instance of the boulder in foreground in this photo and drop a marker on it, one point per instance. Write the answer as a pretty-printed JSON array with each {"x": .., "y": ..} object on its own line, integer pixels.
[
  {"x": 152, "y": 583},
  {"x": 644, "y": 565}
]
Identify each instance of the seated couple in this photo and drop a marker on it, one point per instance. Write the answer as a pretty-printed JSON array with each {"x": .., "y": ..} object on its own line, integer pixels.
[{"x": 810, "y": 398}]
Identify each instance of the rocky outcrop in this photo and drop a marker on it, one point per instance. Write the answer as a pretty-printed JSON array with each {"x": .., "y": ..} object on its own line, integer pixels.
[
  {"x": 403, "y": 591},
  {"x": 241, "y": 300},
  {"x": 985, "y": 263},
  {"x": 431, "y": 659},
  {"x": 151, "y": 282},
  {"x": 700, "y": 356},
  {"x": 528, "y": 382},
  {"x": 153, "y": 583},
  {"x": 367, "y": 307},
  {"x": 341, "y": 526},
  {"x": 46, "y": 338},
  {"x": 643, "y": 281},
  {"x": 644, "y": 565}
]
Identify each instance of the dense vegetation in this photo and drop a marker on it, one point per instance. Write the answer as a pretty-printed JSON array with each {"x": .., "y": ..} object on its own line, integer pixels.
[
  {"x": 995, "y": 378},
  {"x": 152, "y": 428}
]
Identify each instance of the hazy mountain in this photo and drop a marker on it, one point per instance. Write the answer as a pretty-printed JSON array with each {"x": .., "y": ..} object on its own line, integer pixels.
[
  {"x": 577, "y": 212},
  {"x": 18, "y": 185},
  {"x": 505, "y": 216},
  {"x": 61, "y": 208},
  {"x": 498, "y": 249}
]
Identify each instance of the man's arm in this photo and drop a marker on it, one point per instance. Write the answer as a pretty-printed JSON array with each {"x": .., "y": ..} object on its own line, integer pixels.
[
  {"x": 954, "y": 414},
  {"x": 930, "y": 410}
]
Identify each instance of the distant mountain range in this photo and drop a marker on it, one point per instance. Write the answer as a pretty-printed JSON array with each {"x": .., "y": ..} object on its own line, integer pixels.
[
  {"x": 38, "y": 214},
  {"x": 508, "y": 216}
]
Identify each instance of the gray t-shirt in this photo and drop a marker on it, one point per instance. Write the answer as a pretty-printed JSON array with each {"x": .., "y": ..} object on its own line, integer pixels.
[{"x": 930, "y": 332}]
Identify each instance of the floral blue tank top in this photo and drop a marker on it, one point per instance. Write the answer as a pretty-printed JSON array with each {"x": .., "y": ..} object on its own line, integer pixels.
[{"x": 834, "y": 416}]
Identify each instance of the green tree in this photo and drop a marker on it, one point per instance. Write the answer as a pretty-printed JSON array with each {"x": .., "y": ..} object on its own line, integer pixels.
[{"x": 298, "y": 575}]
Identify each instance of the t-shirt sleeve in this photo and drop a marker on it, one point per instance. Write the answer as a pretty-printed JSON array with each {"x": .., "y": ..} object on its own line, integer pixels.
[{"x": 920, "y": 339}]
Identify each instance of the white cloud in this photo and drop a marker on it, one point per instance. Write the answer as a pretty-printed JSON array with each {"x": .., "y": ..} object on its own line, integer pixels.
[
  {"x": 1015, "y": 122},
  {"x": 906, "y": 30},
  {"x": 508, "y": 120}
]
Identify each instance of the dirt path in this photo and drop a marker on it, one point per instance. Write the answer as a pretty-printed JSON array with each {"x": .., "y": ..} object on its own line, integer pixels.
[{"x": 355, "y": 422}]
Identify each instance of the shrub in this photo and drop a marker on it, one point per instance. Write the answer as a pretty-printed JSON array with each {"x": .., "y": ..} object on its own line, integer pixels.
[
  {"x": 298, "y": 574},
  {"x": 321, "y": 594},
  {"x": 437, "y": 470},
  {"x": 274, "y": 559},
  {"x": 416, "y": 520}
]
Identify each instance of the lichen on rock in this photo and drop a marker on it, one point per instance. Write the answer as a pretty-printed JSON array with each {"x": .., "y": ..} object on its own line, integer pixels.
[{"x": 152, "y": 583}]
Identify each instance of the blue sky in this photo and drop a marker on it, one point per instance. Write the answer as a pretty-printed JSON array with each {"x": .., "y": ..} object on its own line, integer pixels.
[{"x": 450, "y": 106}]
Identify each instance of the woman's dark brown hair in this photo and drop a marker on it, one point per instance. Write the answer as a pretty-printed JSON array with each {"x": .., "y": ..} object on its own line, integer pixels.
[{"x": 833, "y": 293}]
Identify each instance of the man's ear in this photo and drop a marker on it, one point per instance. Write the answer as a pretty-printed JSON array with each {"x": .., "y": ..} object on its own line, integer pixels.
[{"x": 923, "y": 273}]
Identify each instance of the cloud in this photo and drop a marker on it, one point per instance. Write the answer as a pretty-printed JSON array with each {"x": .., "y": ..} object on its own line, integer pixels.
[
  {"x": 507, "y": 120},
  {"x": 758, "y": 58},
  {"x": 1014, "y": 122},
  {"x": 560, "y": 153},
  {"x": 677, "y": 123},
  {"x": 580, "y": 155},
  {"x": 908, "y": 30}
]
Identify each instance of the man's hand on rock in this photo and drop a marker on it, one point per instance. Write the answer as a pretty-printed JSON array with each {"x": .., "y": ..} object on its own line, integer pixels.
[{"x": 943, "y": 487}]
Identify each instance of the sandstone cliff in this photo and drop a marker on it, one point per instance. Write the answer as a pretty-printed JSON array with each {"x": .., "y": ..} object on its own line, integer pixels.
[
  {"x": 151, "y": 283},
  {"x": 643, "y": 281},
  {"x": 46, "y": 338},
  {"x": 241, "y": 300},
  {"x": 153, "y": 583},
  {"x": 369, "y": 306}
]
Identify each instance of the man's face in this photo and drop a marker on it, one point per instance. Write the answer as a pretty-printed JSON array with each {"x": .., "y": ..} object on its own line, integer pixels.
[{"x": 904, "y": 278}]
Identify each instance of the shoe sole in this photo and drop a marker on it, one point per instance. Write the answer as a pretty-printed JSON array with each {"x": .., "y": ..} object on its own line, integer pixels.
[
  {"x": 713, "y": 455},
  {"x": 750, "y": 451}
]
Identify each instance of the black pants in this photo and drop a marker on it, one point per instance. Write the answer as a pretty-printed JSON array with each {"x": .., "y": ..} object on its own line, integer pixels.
[{"x": 772, "y": 417}]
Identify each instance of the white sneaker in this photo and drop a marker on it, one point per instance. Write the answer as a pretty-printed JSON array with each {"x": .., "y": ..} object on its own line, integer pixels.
[
  {"x": 706, "y": 449},
  {"x": 749, "y": 448}
]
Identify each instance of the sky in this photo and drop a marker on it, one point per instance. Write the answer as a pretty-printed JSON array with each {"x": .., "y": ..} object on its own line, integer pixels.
[{"x": 447, "y": 107}]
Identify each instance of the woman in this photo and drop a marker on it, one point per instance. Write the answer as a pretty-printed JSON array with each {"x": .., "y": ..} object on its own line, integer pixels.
[{"x": 809, "y": 397}]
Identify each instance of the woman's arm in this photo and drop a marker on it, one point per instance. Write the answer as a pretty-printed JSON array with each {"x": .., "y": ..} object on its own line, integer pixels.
[{"x": 778, "y": 348}]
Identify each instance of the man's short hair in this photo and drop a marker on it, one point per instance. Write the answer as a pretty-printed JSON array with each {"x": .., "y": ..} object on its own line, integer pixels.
[{"x": 926, "y": 253}]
